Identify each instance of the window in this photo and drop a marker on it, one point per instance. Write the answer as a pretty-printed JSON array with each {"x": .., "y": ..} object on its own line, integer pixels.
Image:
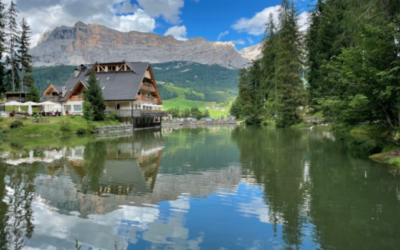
[
  {"x": 67, "y": 107},
  {"x": 138, "y": 93},
  {"x": 77, "y": 107},
  {"x": 118, "y": 106}
]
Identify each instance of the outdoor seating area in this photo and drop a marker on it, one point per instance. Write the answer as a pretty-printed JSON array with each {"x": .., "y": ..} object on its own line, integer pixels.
[{"x": 18, "y": 112}]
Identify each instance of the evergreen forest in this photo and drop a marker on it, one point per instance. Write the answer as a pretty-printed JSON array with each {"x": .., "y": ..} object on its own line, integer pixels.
[
  {"x": 346, "y": 66},
  {"x": 16, "y": 64}
]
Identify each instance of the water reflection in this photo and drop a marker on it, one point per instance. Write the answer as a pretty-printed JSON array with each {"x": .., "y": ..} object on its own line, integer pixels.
[
  {"x": 318, "y": 195},
  {"x": 218, "y": 188}
]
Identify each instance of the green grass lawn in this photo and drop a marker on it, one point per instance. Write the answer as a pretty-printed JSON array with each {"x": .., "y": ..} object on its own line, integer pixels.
[
  {"x": 183, "y": 103},
  {"x": 53, "y": 128}
]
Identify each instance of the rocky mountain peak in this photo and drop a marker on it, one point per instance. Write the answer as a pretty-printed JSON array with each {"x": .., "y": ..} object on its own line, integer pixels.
[
  {"x": 88, "y": 43},
  {"x": 79, "y": 24}
]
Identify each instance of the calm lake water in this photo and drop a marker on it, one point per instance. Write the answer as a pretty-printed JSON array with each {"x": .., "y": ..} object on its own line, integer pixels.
[{"x": 221, "y": 188}]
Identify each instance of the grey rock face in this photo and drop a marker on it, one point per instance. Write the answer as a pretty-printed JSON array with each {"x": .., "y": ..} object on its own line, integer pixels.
[{"x": 96, "y": 43}]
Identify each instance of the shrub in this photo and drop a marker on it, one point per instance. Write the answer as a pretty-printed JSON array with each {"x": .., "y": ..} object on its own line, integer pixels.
[
  {"x": 112, "y": 116},
  {"x": 16, "y": 145},
  {"x": 81, "y": 131},
  {"x": 16, "y": 124},
  {"x": 90, "y": 129},
  {"x": 65, "y": 126},
  {"x": 25, "y": 118}
]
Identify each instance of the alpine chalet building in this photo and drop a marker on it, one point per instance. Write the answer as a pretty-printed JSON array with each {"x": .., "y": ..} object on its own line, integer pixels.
[{"x": 129, "y": 89}]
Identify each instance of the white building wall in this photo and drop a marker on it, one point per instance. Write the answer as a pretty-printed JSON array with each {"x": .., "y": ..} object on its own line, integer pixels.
[{"x": 74, "y": 107}]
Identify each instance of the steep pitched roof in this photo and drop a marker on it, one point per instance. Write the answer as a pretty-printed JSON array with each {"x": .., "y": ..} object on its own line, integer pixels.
[
  {"x": 117, "y": 86},
  {"x": 58, "y": 88}
]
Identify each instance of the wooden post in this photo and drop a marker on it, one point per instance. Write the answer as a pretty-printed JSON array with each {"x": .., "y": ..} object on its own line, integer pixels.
[{"x": 133, "y": 120}]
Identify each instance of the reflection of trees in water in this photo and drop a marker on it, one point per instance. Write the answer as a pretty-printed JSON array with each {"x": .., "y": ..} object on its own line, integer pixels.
[
  {"x": 277, "y": 162},
  {"x": 16, "y": 214},
  {"x": 309, "y": 177},
  {"x": 95, "y": 156}
]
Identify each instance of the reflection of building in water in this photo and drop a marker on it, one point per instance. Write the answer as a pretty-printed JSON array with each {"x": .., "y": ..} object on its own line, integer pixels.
[
  {"x": 129, "y": 175},
  {"x": 76, "y": 184}
]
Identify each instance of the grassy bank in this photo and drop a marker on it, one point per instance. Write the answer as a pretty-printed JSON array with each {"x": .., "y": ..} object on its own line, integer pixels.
[{"x": 57, "y": 126}]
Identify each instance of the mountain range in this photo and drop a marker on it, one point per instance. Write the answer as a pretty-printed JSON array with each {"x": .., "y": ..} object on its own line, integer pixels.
[{"x": 89, "y": 43}]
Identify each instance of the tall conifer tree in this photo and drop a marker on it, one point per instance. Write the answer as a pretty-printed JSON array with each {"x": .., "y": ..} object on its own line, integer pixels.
[
  {"x": 12, "y": 32},
  {"x": 288, "y": 67},
  {"x": 3, "y": 88},
  {"x": 25, "y": 58},
  {"x": 268, "y": 66},
  {"x": 94, "y": 95}
]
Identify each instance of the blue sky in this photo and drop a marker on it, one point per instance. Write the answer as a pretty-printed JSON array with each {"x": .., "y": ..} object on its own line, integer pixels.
[
  {"x": 210, "y": 18},
  {"x": 238, "y": 21}
]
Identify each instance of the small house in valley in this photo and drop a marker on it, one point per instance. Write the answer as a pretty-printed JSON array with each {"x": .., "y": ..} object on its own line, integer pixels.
[{"x": 129, "y": 89}]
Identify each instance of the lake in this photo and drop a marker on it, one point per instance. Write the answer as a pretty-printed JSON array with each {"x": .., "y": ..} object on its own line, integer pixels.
[{"x": 215, "y": 188}]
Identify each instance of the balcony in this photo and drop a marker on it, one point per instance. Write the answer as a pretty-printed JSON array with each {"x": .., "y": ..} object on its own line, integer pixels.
[
  {"x": 50, "y": 98},
  {"x": 147, "y": 99},
  {"x": 147, "y": 87},
  {"x": 139, "y": 113},
  {"x": 76, "y": 98}
]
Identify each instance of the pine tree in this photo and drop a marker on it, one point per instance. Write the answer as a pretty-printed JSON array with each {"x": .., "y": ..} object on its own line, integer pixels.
[
  {"x": 288, "y": 67},
  {"x": 268, "y": 67},
  {"x": 3, "y": 87},
  {"x": 251, "y": 93},
  {"x": 33, "y": 94},
  {"x": 94, "y": 95},
  {"x": 25, "y": 58},
  {"x": 88, "y": 112},
  {"x": 13, "y": 38},
  {"x": 313, "y": 52}
]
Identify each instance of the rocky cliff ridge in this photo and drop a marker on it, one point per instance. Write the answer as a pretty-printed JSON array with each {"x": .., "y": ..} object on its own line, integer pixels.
[{"x": 88, "y": 43}]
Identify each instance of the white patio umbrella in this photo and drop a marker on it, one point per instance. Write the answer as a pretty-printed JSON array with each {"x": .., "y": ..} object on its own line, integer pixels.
[
  {"x": 13, "y": 103},
  {"x": 48, "y": 103},
  {"x": 31, "y": 156},
  {"x": 30, "y": 104}
]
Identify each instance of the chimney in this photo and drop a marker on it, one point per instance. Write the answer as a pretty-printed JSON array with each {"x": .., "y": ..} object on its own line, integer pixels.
[
  {"x": 64, "y": 91},
  {"x": 77, "y": 72}
]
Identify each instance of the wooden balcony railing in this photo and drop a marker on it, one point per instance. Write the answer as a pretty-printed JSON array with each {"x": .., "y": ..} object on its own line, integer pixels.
[
  {"x": 147, "y": 87},
  {"x": 50, "y": 98},
  {"x": 147, "y": 99},
  {"x": 76, "y": 98},
  {"x": 138, "y": 113}
]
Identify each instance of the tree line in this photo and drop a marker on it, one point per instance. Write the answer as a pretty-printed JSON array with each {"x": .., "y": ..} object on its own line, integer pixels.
[
  {"x": 16, "y": 63},
  {"x": 346, "y": 65},
  {"x": 192, "y": 112}
]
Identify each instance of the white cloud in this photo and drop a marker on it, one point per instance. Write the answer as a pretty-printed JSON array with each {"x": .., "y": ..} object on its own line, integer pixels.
[
  {"x": 179, "y": 32},
  {"x": 256, "y": 24},
  {"x": 250, "y": 40},
  {"x": 116, "y": 14},
  {"x": 304, "y": 21},
  {"x": 222, "y": 34},
  {"x": 239, "y": 41},
  {"x": 168, "y": 9}
]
